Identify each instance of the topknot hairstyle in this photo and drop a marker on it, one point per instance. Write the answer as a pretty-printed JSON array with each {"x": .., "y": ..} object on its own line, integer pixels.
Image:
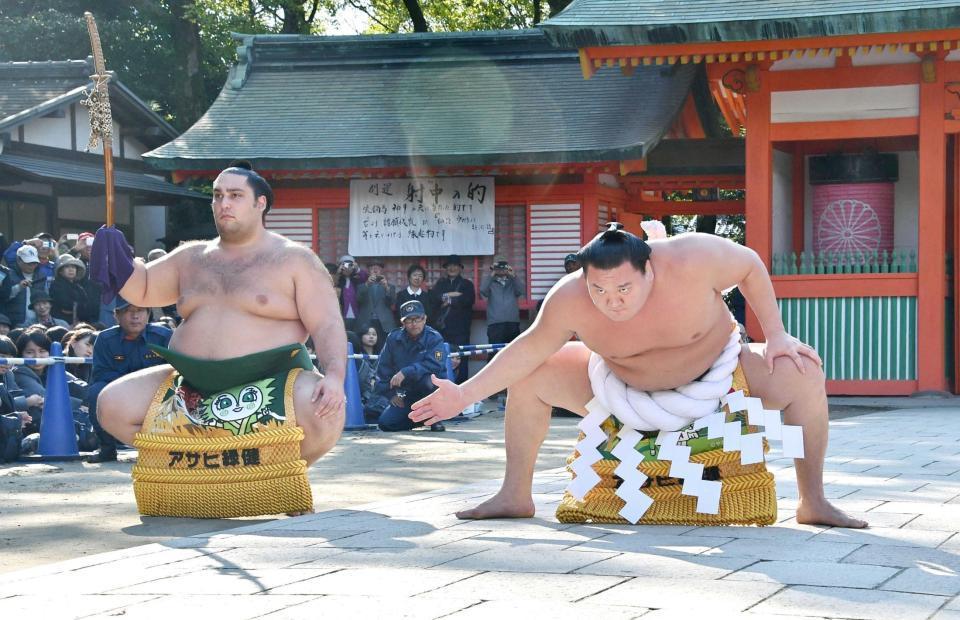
[
  {"x": 257, "y": 183},
  {"x": 613, "y": 247}
]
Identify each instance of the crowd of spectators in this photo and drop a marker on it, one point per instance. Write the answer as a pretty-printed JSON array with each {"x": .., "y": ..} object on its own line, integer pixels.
[
  {"x": 46, "y": 296},
  {"x": 406, "y": 324}
]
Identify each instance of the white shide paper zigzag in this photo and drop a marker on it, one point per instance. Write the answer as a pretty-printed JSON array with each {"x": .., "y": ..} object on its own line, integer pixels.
[{"x": 707, "y": 492}]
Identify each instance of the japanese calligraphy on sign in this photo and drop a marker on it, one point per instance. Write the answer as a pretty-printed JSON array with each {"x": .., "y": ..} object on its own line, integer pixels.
[{"x": 422, "y": 217}]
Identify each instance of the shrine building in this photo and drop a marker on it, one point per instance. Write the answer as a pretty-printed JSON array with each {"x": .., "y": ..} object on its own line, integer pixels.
[
  {"x": 850, "y": 112},
  {"x": 837, "y": 143},
  {"x": 398, "y": 118}
]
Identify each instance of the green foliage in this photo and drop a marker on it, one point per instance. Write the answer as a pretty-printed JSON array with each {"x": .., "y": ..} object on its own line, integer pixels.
[
  {"x": 139, "y": 42},
  {"x": 175, "y": 54},
  {"x": 448, "y": 15}
]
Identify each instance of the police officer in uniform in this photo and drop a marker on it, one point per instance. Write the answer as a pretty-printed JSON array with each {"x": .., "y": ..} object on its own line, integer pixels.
[
  {"x": 118, "y": 351},
  {"x": 410, "y": 355}
]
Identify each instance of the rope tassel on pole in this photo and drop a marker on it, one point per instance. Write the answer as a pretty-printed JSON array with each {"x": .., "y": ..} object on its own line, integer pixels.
[{"x": 101, "y": 118}]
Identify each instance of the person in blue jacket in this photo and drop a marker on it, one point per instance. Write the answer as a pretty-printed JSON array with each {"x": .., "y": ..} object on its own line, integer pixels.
[
  {"x": 118, "y": 351},
  {"x": 410, "y": 355}
]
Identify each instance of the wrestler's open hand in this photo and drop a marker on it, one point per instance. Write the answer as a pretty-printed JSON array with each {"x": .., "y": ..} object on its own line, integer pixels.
[
  {"x": 785, "y": 345},
  {"x": 444, "y": 403},
  {"x": 328, "y": 396}
]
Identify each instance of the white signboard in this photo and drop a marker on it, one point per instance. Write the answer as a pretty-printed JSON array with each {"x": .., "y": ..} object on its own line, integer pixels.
[{"x": 422, "y": 217}]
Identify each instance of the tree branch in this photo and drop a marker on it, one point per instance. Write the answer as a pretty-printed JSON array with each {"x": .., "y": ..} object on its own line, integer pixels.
[
  {"x": 355, "y": 4},
  {"x": 313, "y": 12},
  {"x": 416, "y": 15}
]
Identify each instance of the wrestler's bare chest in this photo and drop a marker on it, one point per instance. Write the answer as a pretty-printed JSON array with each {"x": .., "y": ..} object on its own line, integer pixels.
[
  {"x": 254, "y": 283},
  {"x": 668, "y": 343}
]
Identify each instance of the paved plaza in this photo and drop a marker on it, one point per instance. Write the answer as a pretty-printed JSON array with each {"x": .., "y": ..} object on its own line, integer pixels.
[{"x": 411, "y": 558}]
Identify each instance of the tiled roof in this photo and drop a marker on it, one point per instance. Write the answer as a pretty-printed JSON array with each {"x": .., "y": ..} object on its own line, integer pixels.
[
  {"x": 29, "y": 89},
  {"x": 586, "y": 23},
  {"x": 49, "y": 169},
  {"x": 437, "y": 98}
]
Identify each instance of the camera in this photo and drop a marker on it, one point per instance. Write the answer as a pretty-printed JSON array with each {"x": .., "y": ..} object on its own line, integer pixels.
[
  {"x": 500, "y": 264},
  {"x": 347, "y": 263}
]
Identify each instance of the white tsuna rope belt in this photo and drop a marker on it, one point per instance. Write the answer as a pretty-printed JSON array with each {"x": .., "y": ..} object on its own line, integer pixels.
[
  {"x": 696, "y": 405},
  {"x": 665, "y": 410}
]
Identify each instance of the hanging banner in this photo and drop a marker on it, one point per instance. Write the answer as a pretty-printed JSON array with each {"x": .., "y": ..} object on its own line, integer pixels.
[{"x": 422, "y": 217}]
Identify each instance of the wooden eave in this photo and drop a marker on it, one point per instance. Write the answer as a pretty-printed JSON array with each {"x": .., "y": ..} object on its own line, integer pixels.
[
  {"x": 628, "y": 56},
  {"x": 608, "y": 167}
]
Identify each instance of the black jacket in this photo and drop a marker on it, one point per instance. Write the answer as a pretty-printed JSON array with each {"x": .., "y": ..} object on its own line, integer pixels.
[{"x": 456, "y": 317}]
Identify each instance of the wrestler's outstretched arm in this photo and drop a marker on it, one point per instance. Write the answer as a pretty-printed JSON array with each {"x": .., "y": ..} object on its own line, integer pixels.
[
  {"x": 157, "y": 283},
  {"x": 731, "y": 264},
  {"x": 517, "y": 360},
  {"x": 320, "y": 314}
]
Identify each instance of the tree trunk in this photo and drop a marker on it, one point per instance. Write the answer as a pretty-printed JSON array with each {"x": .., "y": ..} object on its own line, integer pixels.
[
  {"x": 416, "y": 14},
  {"x": 189, "y": 104},
  {"x": 707, "y": 224},
  {"x": 557, "y": 5},
  {"x": 294, "y": 18},
  {"x": 537, "y": 12}
]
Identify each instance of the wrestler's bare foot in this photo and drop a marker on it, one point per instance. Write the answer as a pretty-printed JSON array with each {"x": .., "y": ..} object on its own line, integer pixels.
[
  {"x": 500, "y": 507},
  {"x": 825, "y": 513},
  {"x": 301, "y": 513}
]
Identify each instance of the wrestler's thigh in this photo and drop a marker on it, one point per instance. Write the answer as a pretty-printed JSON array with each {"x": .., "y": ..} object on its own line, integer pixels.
[
  {"x": 126, "y": 400},
  {"x": 562, "y": 380},
  {"x": 786, "y": 384},
  {"x": 319, "y": 433}
]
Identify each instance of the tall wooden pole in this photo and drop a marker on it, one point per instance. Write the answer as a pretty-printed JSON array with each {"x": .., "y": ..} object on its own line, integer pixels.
[{"x": 101, "y": 119}]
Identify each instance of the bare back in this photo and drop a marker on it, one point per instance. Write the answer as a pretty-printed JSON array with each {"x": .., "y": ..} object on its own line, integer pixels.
[
  {"x": 673, "y": 339},
  {"x": 240, "y": 301}
]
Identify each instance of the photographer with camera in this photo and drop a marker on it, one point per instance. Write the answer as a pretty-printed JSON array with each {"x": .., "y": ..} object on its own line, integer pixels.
[
  {"x": 347, "y": 281},
  {"x": 502, "y": 289},
  {"x": 25, "y": 281},
  {"x": 375, "y": 298}
]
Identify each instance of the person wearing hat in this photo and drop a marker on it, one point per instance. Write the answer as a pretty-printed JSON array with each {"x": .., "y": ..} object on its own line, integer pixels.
[
  {"x": 347, "y": 281},
  {"x": 410, "y": 355},
  {"x": 24, "y": 283},
  {"x": 117, "y": 352},
  {"x": 571, "y": 262},
  {"x": 375, "y": 297},
  {"x": 454, "y": 296},
  {"x": 40, "y": 306},
  {"x": 68, "y": 295},
  {"x": 5, "y": 325}
]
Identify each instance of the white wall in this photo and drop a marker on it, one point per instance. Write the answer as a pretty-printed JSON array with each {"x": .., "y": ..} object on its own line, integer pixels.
[
  {"x": 794, "y": 106},
  {"x": 906, "y": 200},
  {"x": 906, "y": 210},
  {"x": 93, "y": 209},
  {"x": 149, "y": 225},
  {"x": 132, "y": 149},
  {"x": 782, "y": 202},
  {"x": 54, "y": 132}
]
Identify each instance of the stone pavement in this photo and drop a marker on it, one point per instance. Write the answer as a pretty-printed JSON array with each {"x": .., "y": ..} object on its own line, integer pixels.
[{"x": 411, "y": 558}]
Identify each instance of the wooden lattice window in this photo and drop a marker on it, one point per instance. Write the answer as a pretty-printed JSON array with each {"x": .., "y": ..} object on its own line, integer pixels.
[{"x": 332, "y": 225}]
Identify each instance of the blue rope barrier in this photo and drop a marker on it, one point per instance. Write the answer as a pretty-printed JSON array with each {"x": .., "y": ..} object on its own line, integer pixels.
[
  {"x": 465, "y": 351},
  {"x": 44, "y": 361}
]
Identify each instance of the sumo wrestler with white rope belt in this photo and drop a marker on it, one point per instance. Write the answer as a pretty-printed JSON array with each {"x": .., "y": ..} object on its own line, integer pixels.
[{"x": 654, "y": 316}]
